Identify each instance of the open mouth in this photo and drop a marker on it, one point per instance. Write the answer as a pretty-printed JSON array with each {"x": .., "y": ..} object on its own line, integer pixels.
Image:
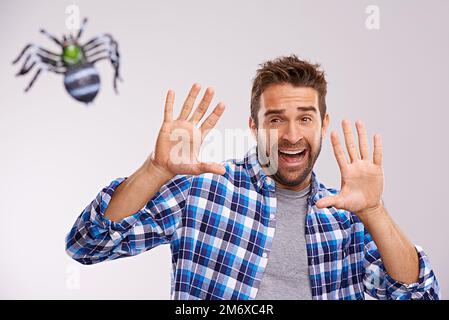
[{"x": 292, "y": 156}]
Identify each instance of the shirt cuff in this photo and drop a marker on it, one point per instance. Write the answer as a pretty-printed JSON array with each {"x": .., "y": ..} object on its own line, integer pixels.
[
  {"x": 413, "y": 291},
  {"x": 102, "y": 224}
]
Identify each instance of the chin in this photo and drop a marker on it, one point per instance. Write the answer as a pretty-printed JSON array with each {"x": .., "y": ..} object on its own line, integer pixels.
[{"x": 290, "y": 179}]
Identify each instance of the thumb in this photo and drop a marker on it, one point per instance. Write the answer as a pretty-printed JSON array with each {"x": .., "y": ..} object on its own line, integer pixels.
[
  {"x": 212, "y": 167},
  {"x": 329, "y": 201}
]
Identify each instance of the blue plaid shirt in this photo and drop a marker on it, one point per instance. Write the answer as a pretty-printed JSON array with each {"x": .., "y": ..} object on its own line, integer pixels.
[{"x": 220, "y": 230}]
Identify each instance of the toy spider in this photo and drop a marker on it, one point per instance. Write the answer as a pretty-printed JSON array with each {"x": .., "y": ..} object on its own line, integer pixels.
[{"x": 75, "y": 62}]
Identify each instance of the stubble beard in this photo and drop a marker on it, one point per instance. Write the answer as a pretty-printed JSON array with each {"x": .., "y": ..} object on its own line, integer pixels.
[{"x": 296, "y": 178}]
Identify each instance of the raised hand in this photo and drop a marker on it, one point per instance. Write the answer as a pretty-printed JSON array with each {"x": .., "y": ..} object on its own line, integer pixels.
[
  {"x": 179, "y": 141},
  {"x": 362, "y": 178}
]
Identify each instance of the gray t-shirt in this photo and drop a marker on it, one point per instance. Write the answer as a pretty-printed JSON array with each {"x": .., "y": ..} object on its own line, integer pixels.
[{"x": 287, "y": 275}]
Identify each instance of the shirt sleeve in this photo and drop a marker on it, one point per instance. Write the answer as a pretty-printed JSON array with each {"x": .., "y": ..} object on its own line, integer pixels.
[
  {"x": 380, "y": 285},
  {"x": 94, "y": 238}
]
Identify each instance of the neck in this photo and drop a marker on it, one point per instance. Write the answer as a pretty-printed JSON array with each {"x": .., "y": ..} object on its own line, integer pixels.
[{"x": 298, "y": 187}]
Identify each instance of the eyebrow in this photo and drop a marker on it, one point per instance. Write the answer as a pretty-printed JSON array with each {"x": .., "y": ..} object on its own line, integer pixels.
[{"x": 281, "y": 111}]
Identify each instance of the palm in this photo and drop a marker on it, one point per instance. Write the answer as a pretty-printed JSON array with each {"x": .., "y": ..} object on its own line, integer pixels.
[
  {"x": 362, "y": 179},
  {"x": 179, "y": 141},
  {"x": 361, "y": 185},
  {"x": 166, "y": 146}
]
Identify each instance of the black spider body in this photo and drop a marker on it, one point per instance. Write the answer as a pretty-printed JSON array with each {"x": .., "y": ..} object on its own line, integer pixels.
[
  {"x": 75, "y": 62},
  {"x": 82, "y": 82}
]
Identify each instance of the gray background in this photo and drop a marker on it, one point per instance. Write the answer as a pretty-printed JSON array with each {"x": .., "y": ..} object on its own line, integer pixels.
[{"x": 56, "y": 154}]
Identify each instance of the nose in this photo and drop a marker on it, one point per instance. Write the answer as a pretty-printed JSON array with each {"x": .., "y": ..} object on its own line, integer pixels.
[{"x": 292, "y": 133}]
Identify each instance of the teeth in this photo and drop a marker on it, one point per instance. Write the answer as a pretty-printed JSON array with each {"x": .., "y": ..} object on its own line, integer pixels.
[{"x": 292, "y": 152}]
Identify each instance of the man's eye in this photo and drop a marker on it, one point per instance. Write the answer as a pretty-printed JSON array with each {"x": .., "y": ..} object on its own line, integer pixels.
[
  {"x": 306, "y": 119},
  {"x": 275, "y": 120}
]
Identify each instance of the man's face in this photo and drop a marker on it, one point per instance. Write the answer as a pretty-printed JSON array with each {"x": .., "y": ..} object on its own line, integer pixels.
[{"x": 294, "y": 115}]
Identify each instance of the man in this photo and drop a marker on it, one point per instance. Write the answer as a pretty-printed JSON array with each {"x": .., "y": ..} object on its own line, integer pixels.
[{"x": 254, "y": 229}]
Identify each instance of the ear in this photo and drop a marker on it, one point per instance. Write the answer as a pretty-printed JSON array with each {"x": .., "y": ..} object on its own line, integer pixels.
[
  {"x": 325, "y": 124},
  {"x": 253, "y": 127}
]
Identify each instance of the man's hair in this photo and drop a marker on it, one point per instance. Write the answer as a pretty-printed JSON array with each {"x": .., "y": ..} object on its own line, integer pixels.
[{"x": 288, "y": 69}]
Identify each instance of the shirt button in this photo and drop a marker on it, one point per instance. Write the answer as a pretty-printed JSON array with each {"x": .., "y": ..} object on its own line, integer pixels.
[
  {"x": 271, "y": 216},
  {"x": 264, "y": 255}
]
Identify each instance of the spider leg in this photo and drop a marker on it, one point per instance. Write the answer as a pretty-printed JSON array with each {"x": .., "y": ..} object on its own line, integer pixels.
[
  {"x": 103, "y": 38},
  {"x": 25, "y": 65},
  {"x": 48, "y": 52},
  {"x": 96, "y": 53},
  {"x": 43, "y": 62},
  {"x": 28, "y": 64},
  {"x": 36, "y": 75},
  {"x": 51, "y": 37},
  {"x": 52, "y": 62},
  {"x": 80, "y": 32},
  {"x": 116, "y": 70},
  {"x": 111, "y": 50},
  {"x": 38, "y": 72},
  {"x": 96, "y": 45},
  {"x": 25, "y": 69},
  {"x": 91, "y": 41},
  {"x": 22, "y": 53},
  {"x": 99, "y": 59},
  {"x": 34, "y": 57},
  {"x": 34, "y": 48}
]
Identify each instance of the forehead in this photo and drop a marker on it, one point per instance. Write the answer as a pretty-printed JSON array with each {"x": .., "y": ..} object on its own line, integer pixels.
[{"x": 281, "y": 96}]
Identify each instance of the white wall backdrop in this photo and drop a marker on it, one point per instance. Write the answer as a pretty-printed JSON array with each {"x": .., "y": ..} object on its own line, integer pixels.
[{"x": 56, "y": 154}]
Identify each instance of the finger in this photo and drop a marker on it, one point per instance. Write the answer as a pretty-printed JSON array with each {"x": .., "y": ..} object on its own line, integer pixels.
[
  {"x": 168, "y": 110},
  {"x": 330, "y": 201},
  {"x": 202, "y": 107},
  {"x": 190, "y": 100},
  {"x": 338, "y": 151},
  {"x": 212, "y": 119},
  {"x": 349, "y": 141},
  {"x": 211, "y": 167},
  {"x": 377, "y": 154},
  {"x": 363, "y": 141}
]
